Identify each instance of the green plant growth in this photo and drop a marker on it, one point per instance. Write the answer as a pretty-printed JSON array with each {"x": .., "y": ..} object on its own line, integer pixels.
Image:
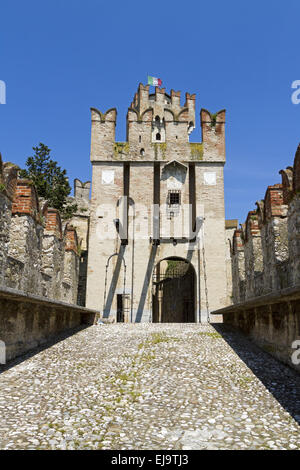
[
  {"x": 121, "y": 148},
  {"x": 159, "y": 150},
  {"x": 210, "y": 334},
  {"x": 172, "y": 264},
  {"x": 196, "y": 150},
  {"x": 213, "y": 119}
]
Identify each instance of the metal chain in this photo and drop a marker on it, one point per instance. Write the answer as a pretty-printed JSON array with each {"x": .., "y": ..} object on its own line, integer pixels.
[{"x": 205, "y": 276}]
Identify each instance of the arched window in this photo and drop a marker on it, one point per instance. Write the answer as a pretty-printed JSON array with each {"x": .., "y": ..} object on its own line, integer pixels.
[
  {"x": 158, "y": 136},
  {"x": 157, "y": 120},
  {"x": 142, "y": 152}
]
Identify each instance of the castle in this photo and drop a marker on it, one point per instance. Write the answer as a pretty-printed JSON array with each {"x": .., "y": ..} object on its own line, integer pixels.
[
  {"x": 156, "y": 241},
  {"x": 152, "y": 244}
]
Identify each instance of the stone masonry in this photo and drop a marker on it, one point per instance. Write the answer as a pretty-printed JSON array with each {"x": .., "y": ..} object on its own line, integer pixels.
[
  {"x": 265, "y": 252},
  {"x": 156, "y": 196},
  {"x": 265, "y": 255},
  {"x": 35, "y": 255},
  {"x": 175, "y": 387},
  {"x": 81, "y": 220}
]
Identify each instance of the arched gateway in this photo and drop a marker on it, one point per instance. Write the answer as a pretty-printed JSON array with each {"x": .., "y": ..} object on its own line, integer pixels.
[{"x": 174, "y": 291}]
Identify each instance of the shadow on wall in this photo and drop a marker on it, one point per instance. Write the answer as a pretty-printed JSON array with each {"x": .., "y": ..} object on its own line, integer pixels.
[
  {"x": 109, "y": 291},
  {"x": 280, "y": 380},
  {"x": 54, "y": 340},
  {"x": 108, "y": 297},
  {"x": 146, "y": 283}
]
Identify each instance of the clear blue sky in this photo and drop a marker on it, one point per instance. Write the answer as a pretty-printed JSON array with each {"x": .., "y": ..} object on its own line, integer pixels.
[{"x": 59, "y": 58}]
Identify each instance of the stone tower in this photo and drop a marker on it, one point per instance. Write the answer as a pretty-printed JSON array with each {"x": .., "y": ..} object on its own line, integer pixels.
[{"x": 157, "y": 224}]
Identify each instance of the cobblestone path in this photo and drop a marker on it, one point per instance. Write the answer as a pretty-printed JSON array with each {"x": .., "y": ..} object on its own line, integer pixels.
[{"x": 150, "y": 386}]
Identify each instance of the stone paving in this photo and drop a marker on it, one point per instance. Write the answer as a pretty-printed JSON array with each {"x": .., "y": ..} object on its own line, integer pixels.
[{"x": 150, "y": 386}]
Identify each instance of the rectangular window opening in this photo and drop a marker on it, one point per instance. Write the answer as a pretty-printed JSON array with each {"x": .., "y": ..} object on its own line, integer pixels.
[{"x": 174, "y": 198}]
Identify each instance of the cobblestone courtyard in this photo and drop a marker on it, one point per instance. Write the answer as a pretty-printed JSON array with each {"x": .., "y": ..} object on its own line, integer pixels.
[{"x": 150, "y": 386}]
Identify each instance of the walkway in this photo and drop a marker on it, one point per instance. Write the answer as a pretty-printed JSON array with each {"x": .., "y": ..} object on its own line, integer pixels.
[{"x": 150, "y": 386}]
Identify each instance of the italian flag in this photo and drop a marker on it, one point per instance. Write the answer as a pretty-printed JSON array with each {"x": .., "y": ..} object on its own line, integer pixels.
[{"x": 154, "y": 81}]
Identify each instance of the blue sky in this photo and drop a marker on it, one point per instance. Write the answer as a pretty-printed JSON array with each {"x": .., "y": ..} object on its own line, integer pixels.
[{"x": 59, "y": 58}]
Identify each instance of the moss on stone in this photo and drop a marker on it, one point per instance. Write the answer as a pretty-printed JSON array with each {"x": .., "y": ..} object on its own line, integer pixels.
[
  {"x": 213, "y": 334},
  {"x": 196, "y": 151},
  {"x": 159, "y": 150},
  {"x": 121, "y": 148}
]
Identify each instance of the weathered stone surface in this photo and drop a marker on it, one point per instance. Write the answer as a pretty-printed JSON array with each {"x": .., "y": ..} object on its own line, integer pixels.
[
  {"x": 27, "y": 321},
  {"x": 150, "y": 386},
  {"x": 80, "y": 221},
  {"x": 230, "y": 227},
  {"x": 266, "y": 271},
  {"x": 267, "y": 257},
  {"x": 272, "y": 321},
  {"x": 238, "y": 267},
  {"x": 35, "y": 257}
]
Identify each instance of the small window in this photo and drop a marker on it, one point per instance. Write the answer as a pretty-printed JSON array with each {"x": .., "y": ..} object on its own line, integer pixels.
[
  {"x": 142, "y": 152},
  {"x": 158, "y": 136},
  {"x": 174, "y": 198},
  {"x": 191, "y": 127},
  {"x": 157, "y": 120},
  {"x": 140, "y": 139}
]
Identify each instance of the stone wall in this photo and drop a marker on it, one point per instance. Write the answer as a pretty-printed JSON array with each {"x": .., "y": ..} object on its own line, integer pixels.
[
  {"x": 272, "y": 321},
  {"x": 81, "y": 222},
  {"x": 265, "y": 254},
  {"x": 35, "y": 255},
  {"x": 8, "y": 178},
  {"x": 230, "y": 227},
  {"x": 28, "y": 321},
  {"x": 238, "y": 267},
  {"x": 265, "y": 251}
]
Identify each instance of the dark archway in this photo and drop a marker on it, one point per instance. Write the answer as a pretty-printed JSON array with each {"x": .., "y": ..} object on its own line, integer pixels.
[{"x": 174, "y": 291}]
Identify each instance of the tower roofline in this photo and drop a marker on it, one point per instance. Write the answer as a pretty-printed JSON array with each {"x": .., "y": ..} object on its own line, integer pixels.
[{"x": 143, "y": 99}]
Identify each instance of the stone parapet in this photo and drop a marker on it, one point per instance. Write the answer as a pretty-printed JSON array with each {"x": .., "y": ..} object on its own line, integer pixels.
[
  {"x": 272, "y": 321},
  {"x": 35, "y": 257},
  {"x": 271, "y": 240},
  {"x": 28, "y": 321}
]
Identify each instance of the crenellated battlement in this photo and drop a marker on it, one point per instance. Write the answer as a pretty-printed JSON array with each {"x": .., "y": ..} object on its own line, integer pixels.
[
  {"x": 164, "y": 105},
  {"x": 287, "y": 183},
  {"x": 158, "y": 127},
  {"x": 270, "y": 240},
  {"x": 35, "y": 256},
  {"x": 53, "y": 225},
  {"x": 296, "y": 172}
]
